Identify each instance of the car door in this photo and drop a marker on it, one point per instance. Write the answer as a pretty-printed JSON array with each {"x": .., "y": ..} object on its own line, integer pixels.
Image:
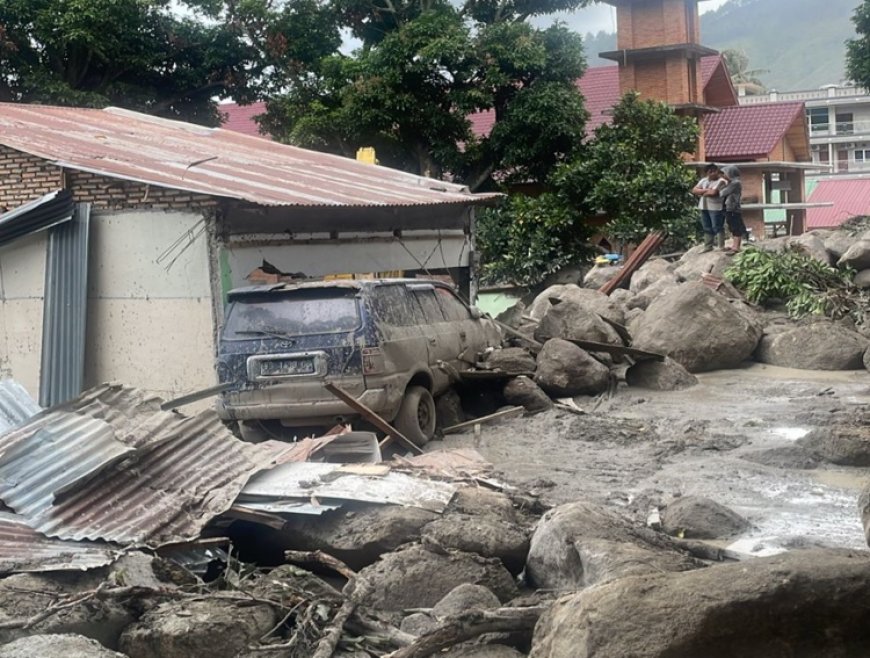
[
  {"x": 471, "y": 333},
  {"x": 443, "y": 337}
]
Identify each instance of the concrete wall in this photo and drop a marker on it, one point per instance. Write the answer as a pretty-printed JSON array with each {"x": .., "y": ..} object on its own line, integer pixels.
[
  {"x": 150, "y": 320},
  {"x": 22, "y": 281}
]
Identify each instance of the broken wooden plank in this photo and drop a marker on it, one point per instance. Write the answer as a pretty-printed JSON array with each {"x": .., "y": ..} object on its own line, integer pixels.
[
  {"x": 504, "y": 413},
  {"x": 617, "y": 350},
  {"x": 372, "y": 417},
  {"x": 196, "y": 396}
]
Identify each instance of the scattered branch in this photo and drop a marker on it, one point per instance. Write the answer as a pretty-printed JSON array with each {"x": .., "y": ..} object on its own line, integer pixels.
[{"x": 319, "y": 557}]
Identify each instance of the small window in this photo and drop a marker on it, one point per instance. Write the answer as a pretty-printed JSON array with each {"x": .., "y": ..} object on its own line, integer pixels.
[
  {"x": 393, "y": 305},
  {"x": 451, "y": 306},
  {"x": 845, "y": 123},
  {"x": 429, "y": 304},
  {"x": 818, "y": 119},
  {"x": 862, "y": 155}
]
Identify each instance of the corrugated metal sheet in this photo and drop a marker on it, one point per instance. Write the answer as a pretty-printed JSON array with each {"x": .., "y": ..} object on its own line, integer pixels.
[
  {"x": 16, "y": 405},
  {"x": 212, "y": 161},
  {"x": 850, "y": 196},
  {"x": 22, "y": 549},
  {"x": 65, "y": 310},
  {"x": 42, "y": 213}
]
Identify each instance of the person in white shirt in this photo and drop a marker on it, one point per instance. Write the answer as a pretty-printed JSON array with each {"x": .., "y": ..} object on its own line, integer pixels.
[{"x": 710, "y": 205}]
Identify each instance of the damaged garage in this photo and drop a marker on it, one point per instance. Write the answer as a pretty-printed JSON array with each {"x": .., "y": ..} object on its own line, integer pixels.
[{"x": 121, "y": 235}]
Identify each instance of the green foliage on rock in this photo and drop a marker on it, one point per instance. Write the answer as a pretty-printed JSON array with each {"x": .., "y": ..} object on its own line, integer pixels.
[
  {"x": 804, "y": 284},
  {"x": 164, "y": 58}
]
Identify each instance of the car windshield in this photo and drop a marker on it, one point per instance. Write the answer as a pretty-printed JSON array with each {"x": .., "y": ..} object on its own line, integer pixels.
[{"x": 301, "y": 313}]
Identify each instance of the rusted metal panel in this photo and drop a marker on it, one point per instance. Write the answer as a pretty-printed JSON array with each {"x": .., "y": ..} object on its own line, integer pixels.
[
  {"x": 16, "y": 405},
  {"x": 212, "y": 161},
  {"x": 22, "y": 549}
]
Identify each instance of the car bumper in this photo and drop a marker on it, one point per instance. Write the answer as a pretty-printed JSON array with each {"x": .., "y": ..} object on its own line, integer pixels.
[{"x": 253, "y": 405}]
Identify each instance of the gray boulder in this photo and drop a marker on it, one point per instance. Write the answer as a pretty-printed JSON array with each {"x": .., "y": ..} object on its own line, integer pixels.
[
  {"x": 862, "y": 279},
  {"x": 698, "y": 328},
  {"x": 198, "y": 629},
  {"x": 667, "y": 375},
  {"x": 418, "y": 623},
  {"x": 803, "y": 603},
  {"x": 573, "y": 321},
  {"x": 625, "y": 298},
  {"x": 650, "y": 272},
  {"x": 696, "y": 262},
  {"x": 483, "y": 651},
  {"x": 465, "y": 597},
  {"x": 696, "y": 517},
  {"x": 414, "y": 577},
  {"x": 599, "y": 275},
  {"x": 513, "y": 360},
  {"x": 655, "y": 290},
  {"x": 818, "y": 346},
  {"x": 867, "y": 358},
  {"x": 581, "y": 544},
  {"x": 57, "y": 646},
  {"x": 864, "y": 508},
  {"x": 844, "y": 445},
  {"x": 485, "y": 535},
  {"x": 448, "y": 409},
  {"x": 524, "y": 392},
  {"x": 594, "y": 301},
  {"x": 838, "y": 243},
  {"x": 565, "y": 370},
  {"x": 857, "y": 256},
  {"x": 809, "y": 243}
]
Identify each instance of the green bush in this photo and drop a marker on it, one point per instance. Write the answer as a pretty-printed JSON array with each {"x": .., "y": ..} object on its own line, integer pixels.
[{"x": 804, "y": 284}]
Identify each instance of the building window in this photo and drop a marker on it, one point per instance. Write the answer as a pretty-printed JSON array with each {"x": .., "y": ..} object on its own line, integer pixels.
[
  {"x": 818, "y": 120},
  {"x": 861, "y": 155},
  {"x": 824, "y": 155},
  {"x": 845, "y": 123}
]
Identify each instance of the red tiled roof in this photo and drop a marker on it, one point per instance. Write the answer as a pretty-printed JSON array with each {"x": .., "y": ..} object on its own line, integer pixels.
[
  {"x": 600, "y": 88},
  {"x": 482, "y": 122},
  {"x": 240, "y": 118},
  {"x": 850, "y": 196},
  {"x": 747, "y": 132},
  {"x": 708, "y": 68}
]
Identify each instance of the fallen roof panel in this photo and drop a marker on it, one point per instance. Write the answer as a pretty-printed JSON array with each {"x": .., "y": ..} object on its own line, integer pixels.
[
  {"x": 16, "y": 405},
  {"x": 212, "y": 161},
  {"x": 22, "y": 549},
  {"x": 37, "y": 215}
]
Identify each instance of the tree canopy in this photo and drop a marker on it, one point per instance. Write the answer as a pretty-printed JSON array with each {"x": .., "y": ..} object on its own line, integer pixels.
[
  {"x": 165, "y": 58},
  {"x": 858, "y": 49}
]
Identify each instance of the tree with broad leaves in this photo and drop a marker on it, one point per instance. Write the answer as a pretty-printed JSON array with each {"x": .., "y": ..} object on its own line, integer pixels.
[
  {"x": 423, "y": 67},
  {"x": 737, "y": 62},
  {"x": 164, "y": 58},
  {"x": 858, "y": 49}
]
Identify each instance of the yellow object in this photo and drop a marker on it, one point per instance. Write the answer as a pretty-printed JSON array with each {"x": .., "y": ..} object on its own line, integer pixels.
[{"x": 366, "y": 154}]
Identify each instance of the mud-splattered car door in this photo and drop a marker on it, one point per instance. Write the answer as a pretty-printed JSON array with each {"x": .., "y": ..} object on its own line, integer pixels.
[{"x": 475, "y": 334}]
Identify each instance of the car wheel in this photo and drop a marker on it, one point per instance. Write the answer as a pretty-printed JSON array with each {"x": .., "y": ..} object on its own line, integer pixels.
[
  {"x": 252, "y": 431},
  {"x": 416, "y": 417}
]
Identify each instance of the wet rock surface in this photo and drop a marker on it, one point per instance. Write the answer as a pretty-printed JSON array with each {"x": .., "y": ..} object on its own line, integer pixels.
[
  {"x": 818, "y": 346},
  {"x": 565, "y": 370},
  {"x": 857, "y": 256},
  {"x": 571, "y": 321},
  {"x": 696, "y": 262},
  {"x": 487, "y": 536},
  {"x": 667, "y": 375},
  {"x": 591, "y": 300},
  {"x": 57, "y": 646},
  {"x": 839, "y": 444},
  {"x": 465, "y": 597},
  {"x": 524, "y": 392},
  {"x": 511, "y": 360},
  {"x": 805, "y": 603},
  {"x": 698, "y": 328},
  {"x": 696, "y": 517}
]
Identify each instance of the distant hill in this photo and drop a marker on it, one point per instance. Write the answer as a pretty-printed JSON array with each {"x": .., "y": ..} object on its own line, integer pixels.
[{"x": 799, "y": 42}]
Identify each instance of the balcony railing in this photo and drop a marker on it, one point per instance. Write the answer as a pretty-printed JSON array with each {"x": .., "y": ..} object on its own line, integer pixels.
[
  {"x": 808, "y": 95},
  {"x": 839, "y": 129},
  {"x": 843, "y": 167}
]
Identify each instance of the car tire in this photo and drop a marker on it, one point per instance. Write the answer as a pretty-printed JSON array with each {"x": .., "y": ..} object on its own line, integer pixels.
[
  {"x": 416, "y": 417},
  {"x": 252, "y": 431}
]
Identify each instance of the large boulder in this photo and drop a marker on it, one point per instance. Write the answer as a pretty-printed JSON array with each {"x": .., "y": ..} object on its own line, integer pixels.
[
  {"x": 513, "y": 360},
  {"x": 57, "y": 646},
  {"x": 698, "y": 328},
  {"x": 696, "y": 517},
  {"x": 581, "y": 544},
  {"x": 808, "y": 243},
  {"x": 844, "y": 445},
  {"x": 485, "y": 535},
  {"x": 818, "y": 346},
  {"x": 696, "y": 262},
  {"x": 523, "y": 392},
  {"x": 654, "y": 290},
  {"x": 198, "y": 628},
  {"x": 867, "y": 358},
  {"x": 415, "y": 577},
  {"x": 667, "y": 375},
  {"x": 594, "y": 301},
  {"x": 573, "y": 321},
  {"x": 838, "y": 243},
  {"x": 862, "y": 279},
  {"x": 857, "y": 256},
  {"x": 599, "y": 275},
  {"x": 465, "y": 597},
  {"x": 565, "y": 370},
  {"x": 804, "y": 604},
  {"x": 358, "y": 536},
  {"x": 650, "y": 272}
]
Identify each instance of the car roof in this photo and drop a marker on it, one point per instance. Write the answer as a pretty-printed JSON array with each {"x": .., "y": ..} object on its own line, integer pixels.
[{"x": 350, "y": 284}]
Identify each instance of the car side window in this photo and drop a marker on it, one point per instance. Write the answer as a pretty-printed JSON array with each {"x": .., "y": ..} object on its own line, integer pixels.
[
  {"x": 451, "y": 306},
  {"x": 429, "y": 304},
  {"x": 394, "y": 306}
]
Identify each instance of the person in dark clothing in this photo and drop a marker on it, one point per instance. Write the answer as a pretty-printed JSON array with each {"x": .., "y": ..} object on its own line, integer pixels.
[{"x": 732, "y": 195}]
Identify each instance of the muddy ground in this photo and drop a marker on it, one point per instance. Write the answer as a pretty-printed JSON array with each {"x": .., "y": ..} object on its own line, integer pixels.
[{"x": 639, "y": 448}]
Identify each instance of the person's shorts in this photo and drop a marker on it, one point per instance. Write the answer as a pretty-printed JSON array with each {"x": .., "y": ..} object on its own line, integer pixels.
[{"x": 734, "y": 219}]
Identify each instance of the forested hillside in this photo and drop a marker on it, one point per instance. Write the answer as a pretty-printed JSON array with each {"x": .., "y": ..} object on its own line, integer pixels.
[{"x": 800, "y": 43}]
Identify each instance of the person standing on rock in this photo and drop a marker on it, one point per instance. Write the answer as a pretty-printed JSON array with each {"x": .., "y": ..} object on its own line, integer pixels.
[
  {"x": 710, "y": 205},
  {"x": 732, "y": 194}
]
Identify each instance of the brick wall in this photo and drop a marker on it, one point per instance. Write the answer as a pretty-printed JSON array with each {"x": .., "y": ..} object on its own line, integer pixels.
[{"x": 24, "y": 177}]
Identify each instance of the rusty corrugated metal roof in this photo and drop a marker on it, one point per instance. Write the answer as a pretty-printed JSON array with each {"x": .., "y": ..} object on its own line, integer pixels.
[
  {"x": 212, "y": 161},
  {"x": 22, "y": 549},
  {"x": 110, "y": 465}
]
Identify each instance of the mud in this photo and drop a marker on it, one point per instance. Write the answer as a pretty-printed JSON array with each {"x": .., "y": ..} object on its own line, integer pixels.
[{"x": 638, "y": 449}]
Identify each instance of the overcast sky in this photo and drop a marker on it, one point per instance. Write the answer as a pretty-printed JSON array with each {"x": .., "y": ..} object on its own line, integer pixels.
[{"x": 603, "y": 17}]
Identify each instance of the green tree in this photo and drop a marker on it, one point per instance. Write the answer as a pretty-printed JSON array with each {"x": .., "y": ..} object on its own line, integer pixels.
[
  {"x": 858, "y": 49},
  {"x": 737, "y": 62},
  {"x": 633, "y": 171},
  {"x": 152, "y": 56},
  {"x": 423, "y": 68}
]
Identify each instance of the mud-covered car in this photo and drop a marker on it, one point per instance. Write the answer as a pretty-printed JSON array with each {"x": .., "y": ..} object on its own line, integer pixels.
[{"x": 393, "y": 344}]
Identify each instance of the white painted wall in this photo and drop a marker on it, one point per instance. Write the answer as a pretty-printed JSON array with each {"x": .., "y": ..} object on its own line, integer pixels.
[
  {"x": 318, "y": 255},
  {"x": 22, "y": 282},
  {"x": 149, "y": 318}
]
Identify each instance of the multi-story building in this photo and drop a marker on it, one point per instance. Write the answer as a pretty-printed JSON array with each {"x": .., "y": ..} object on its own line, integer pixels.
[{"x": 838, "y": 118}]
